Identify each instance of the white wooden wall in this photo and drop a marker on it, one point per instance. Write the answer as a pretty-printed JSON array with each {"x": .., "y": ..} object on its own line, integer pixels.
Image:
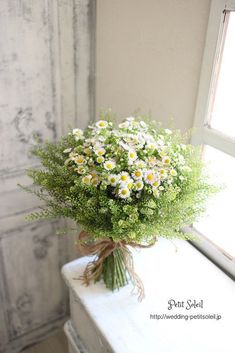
[{"x": 46, "y": 83}]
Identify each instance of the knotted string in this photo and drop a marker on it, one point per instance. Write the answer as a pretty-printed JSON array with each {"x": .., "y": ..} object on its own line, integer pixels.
[{"x": 101, "y": 249}]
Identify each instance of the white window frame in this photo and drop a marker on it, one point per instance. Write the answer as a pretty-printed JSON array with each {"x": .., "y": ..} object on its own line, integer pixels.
[{"x": 203, "y": 133}]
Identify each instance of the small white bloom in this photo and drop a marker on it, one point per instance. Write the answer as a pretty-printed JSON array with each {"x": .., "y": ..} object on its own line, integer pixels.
[
  {"x": 182, "y": 178},
  {"x": 156, "y": 183},
  {"x": 125, "y": 146},
  {"x": 124, "y": 193},
  {"x": 140, "y": 164},
  {"x": 168, "y": 131},
  {"x": 80, "y": 170},
  {"x": 113, "y": 179},
  {"x": 161, "y": 188},
  {"x": 67, "y": 150},
  {"x": 109, "y": 165},
  {"x": 124, "y": 178},
  {"x": 137, "y": 174},
  {"x": 183, "y": 146},
  {"x": 166, "y": 160},
  {"x": 173, "y": 172},
  {"x": 138, "y": 185},
  {"x": 132, "y": 155},
  {"x": 150, "y": 176},
  {"x": 152, "y": 161},
  {"x": 152, "y": 145},
  {"x": 78, "y": 134},
  {"x": 95, "y": 181},
  {"x": 124, "y": 125},
  {"x": 102, "y": 124},
  {"x": 88, "y": 151},
  {"x": 87, "y": 179},
  {"x": 100, "y": 159},
  {"x": 100, "y": 151},
  {"x": 79, "y": 159},
  {"x": 162, "y": 173}
]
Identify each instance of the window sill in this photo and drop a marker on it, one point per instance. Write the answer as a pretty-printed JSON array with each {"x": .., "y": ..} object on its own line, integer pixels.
[{"x": 123, "y": 325}]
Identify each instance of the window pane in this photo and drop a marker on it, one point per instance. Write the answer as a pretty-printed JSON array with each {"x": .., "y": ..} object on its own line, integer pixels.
[
  {"x": 219, "y": 223},
  {"x": 223, "y": 110}
]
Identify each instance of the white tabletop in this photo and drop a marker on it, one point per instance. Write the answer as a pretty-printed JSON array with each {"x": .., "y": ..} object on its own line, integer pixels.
[{"x": 183, "y": 275}]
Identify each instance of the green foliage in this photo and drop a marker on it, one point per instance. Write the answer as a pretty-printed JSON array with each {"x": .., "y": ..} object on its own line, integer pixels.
[{"x": 178, "y": 201}]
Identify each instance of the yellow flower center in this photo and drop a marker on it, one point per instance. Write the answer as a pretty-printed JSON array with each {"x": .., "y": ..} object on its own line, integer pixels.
[
  {"x": 137, "y": 174},
  {"x": 80, "y": 160},
  {"x": 156, "y": 183},
  {"x": 109, "y": 165},
  {"x": 100, "y": 159},
  {"x": 113, "y": 180},
  {"x": 124, "y": 192},
  {"x": 102, "y": 124},
  {"x": 129, "y": 185},
  {"x": 132, "y": 155},
  {"x": 123, "y": 178},
  {"x": 150, "y": 177}
]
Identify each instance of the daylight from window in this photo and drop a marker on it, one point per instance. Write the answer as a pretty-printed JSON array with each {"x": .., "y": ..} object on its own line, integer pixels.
[
  {"x": 218, "y": 224},
  {"x": 223, "y": 111}
]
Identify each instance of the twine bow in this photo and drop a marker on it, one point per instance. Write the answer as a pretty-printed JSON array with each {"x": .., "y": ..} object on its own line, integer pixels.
[{"x": 101, "y": 249}]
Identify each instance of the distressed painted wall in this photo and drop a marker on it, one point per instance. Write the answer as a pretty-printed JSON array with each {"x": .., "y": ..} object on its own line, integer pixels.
[{"x": 46, "y": 83}]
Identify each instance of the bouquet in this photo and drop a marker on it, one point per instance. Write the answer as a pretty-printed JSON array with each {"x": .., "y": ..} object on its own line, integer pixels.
[{"x": 125, "y": 186}]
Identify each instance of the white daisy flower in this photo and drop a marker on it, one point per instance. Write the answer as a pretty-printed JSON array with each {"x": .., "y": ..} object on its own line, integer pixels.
[
  {"x": 124, "y": 193},
  {"x": 67, "y": 150},
  {"x": 113, "y": 179},
  {"x": 173, "y": 172},
  {"x": 80, "y": 170},
  {"x": 130, "y": 184},
  {"x": 95, "y": 181},
  {"x": 166, "y": 160},
  {"x": 78, "y": 134},
  {"x": 162, "y": 173},
  {"x": 152, "y": 161},
  {"x": 88, "y": 151},
  {"x": 100, "y": 159},
  {"x": 124, "y": 125},
  {"x": 132, "y": 155},
  {"x": 87, "y": 179},
  {"x": 137, "y": 174},
  {"x": 124, "y": 145},
  {"x": 168, "y": 131},
  {"x": 150, "y": 176},
  {"x": 138, "y": 185},
  {"x": 109, "y": 165},
  {"x": 152, "y": 145},
  {"x": 156, "y": 183},
  {"x": 102, "y": 124},
  {"x": 100, "y": 151},
  {"x": 124, "y": 178},
  {"x": 140, "y": 164},
  {"x": 79, "y": 159}
]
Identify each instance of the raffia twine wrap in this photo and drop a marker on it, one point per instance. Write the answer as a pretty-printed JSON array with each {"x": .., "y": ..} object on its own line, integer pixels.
[{"x": 101, "y": 249}]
